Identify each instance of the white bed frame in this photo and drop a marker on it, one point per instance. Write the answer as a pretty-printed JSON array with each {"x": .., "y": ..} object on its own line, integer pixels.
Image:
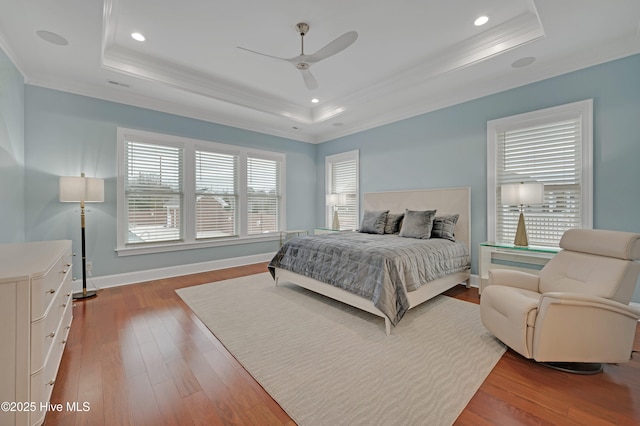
[{"x": 445, "y": 201}]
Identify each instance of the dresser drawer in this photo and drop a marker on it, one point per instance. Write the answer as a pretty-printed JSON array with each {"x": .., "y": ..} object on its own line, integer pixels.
[
  {"x": 44, "y": 289},
  {"x": 41, "y": 388},
  {"x": 50, "y": 329},
  {"x": 42, "y": 382}
]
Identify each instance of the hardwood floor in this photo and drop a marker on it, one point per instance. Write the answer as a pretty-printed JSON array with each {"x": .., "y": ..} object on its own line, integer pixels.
[{"x": 138, "y": 356}]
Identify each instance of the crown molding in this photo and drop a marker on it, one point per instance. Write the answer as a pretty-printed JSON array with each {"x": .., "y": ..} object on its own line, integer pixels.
[
  {"x": 125, "y": 97},
  {"x": 425, "y": 103},
  {"x": 141, "y": 66},
  {"x": 12, "y": 57},
  {"x": 513, "y": 33}
]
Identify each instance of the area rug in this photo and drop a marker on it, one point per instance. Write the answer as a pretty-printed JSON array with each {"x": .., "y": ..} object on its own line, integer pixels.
[{"x": 326, "y": 363}]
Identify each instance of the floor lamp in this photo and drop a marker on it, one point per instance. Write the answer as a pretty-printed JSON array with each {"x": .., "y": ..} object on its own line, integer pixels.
[
  {"x": 74, "y": 189},
  {"x": 522, "y": 194}
]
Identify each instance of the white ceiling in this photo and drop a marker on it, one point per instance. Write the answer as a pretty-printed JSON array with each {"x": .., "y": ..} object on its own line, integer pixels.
[{"x": 410, "y": 57}]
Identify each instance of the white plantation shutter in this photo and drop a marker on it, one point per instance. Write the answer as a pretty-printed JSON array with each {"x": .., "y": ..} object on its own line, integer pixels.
[
  {"x": 552, "y": 151},
  {"x": 177, "y": 193},
  {"x": 153, "y": 192},
  {"x": 342, "y": 171},
  {"x": 263, "y": 195},
  {"x": 216, "y": 177}
]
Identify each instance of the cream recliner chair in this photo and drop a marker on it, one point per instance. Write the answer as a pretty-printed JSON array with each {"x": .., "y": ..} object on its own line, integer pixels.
[{"x": 575, "y": 314}]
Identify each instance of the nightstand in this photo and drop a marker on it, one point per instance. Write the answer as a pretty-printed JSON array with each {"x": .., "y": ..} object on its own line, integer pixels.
[
  {"x": 287, "y": 235},
  {"x": 509, "y": 256},
  {"x": 320, "y": 231}
]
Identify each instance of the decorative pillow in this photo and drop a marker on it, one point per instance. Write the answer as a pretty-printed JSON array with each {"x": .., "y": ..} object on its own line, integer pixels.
[
  {"x": 392, "y": 226},
  {"x": 373, "y": 222},
  {"x": 443, "y": 226},
  {"x": 417, "y": 224}
]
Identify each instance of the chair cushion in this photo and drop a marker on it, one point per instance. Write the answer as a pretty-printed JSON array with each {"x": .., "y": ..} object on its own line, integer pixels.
[{"x": 589, "y": 274}]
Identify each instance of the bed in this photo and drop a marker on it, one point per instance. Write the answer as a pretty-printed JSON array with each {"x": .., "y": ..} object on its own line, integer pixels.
[{"x": 385, "y": 275}]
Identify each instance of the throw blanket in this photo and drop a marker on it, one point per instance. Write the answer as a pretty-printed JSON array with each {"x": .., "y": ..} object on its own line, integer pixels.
[{"x": 380, "y": 268}]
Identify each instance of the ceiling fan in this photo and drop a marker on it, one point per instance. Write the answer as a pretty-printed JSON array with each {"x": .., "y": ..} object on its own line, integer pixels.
[{"x": 303, "y": 62}]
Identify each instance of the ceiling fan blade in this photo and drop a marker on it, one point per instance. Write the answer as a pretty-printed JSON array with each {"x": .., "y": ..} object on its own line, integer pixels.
[
  {"x": 264, "y": 54},
  {"x": 309, "y": 80},
  {"x": 336, "y": 46}
]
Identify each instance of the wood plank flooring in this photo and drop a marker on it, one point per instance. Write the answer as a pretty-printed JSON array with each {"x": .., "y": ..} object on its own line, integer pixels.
[{"x": 138, "y": 356}]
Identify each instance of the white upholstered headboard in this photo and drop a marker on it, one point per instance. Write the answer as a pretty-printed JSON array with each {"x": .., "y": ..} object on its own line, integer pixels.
[{"x": 444, "y": 200}]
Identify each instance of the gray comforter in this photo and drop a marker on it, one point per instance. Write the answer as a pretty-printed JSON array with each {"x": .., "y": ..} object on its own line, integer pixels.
[{"x": 380, "y": 268}]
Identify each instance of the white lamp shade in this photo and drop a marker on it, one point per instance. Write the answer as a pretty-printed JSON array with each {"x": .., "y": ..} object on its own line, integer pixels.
[
  {"x": 80, "y": 188},
  {"x": 336, "y": 199},
  {"x": 525, "y": 194}
]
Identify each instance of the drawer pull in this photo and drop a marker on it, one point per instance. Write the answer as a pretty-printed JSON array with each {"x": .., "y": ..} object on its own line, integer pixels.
[
  {"x": 51, "y": 291},
  {"x": 64, "y": 341},
  {"x": 64, "y": 305},
  {"x": 52, "y": 334},
  {"x": 51, "y": 382},
  {"x": 68, "y": 327}
]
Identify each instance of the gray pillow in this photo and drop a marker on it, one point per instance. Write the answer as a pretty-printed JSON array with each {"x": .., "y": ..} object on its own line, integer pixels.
[
  {"x": 393, "y": 223},
  {"x": 417, "y": 224},
  {"x": 373, "y": 222},
  {"x": 443, "y": 226}
]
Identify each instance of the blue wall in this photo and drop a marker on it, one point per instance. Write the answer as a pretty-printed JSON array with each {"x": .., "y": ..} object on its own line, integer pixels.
[
  {"x": 448, "y": 147},
  {"x": 12, "y": 145},
  {"x": 68, "y": 134},
  {"x": 46, "y": 133}
]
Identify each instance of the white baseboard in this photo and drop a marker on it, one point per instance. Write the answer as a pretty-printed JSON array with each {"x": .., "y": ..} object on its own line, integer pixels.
[
  {"x": 475, "y": 281},
  {"x": 127, "y": 278},
  {"x": 117, "y": 280}
]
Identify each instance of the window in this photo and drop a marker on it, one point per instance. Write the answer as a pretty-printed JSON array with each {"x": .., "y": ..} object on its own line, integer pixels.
[
  {"x": 176, "y": 193},
  {"x": 551, "y": 146},
  {"x": 263, "y": 190},
  {"x": 153, "y": 192},
  {"x": 342, "y": 172},
  {"x": 216, "y": 195}
]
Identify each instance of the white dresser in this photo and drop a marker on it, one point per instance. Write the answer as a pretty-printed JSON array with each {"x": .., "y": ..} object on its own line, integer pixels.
[{"x": 35, "y": 318}]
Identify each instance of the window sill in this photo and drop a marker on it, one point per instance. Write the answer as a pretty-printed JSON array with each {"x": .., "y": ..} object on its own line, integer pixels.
[{"x": 169, "y": 247}]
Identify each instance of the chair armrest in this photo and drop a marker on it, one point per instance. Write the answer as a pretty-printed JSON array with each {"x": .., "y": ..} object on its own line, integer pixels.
[
  {"x": 580, "y": 299},
  {"x": 512, "y": 278},
  {"x": 574, "y": 327}
]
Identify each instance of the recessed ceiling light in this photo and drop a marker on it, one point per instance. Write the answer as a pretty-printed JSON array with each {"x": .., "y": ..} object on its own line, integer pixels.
[
  {"x": 481, "y": 20},
  {"x": 315, "y": 100},
  {"x": 52, "y": 37},
  {"x": 337, "y": 124},
  {"x": 523, "y": 62},
  {"x": 137, "y": 37}
]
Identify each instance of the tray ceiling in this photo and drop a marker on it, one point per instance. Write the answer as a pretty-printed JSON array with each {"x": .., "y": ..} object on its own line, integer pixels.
[{"x": 409, "y": 58}]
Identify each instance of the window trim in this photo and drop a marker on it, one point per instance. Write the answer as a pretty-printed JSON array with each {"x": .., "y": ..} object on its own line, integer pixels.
[
  {"x": 353, "y": 155},
  {"x": 189, "y": 146},
  {"x": 584, "y": 109}
]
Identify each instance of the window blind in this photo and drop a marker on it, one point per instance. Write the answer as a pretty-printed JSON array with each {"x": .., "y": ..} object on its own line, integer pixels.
[
  {"x": 153, "y": 192},
  {"x": 216, "y": 194},
  {"x": 263, "y": 195},
  {"x": 549, "y": 153},
  {"x": 344, "y": 181}
]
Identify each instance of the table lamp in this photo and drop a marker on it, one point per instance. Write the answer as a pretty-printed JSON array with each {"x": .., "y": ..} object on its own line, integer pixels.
[{"x": 522, "y": 194}]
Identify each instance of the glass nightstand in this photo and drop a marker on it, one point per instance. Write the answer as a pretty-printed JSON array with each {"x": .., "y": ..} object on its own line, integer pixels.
[{"x": 524, "y": 258}]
